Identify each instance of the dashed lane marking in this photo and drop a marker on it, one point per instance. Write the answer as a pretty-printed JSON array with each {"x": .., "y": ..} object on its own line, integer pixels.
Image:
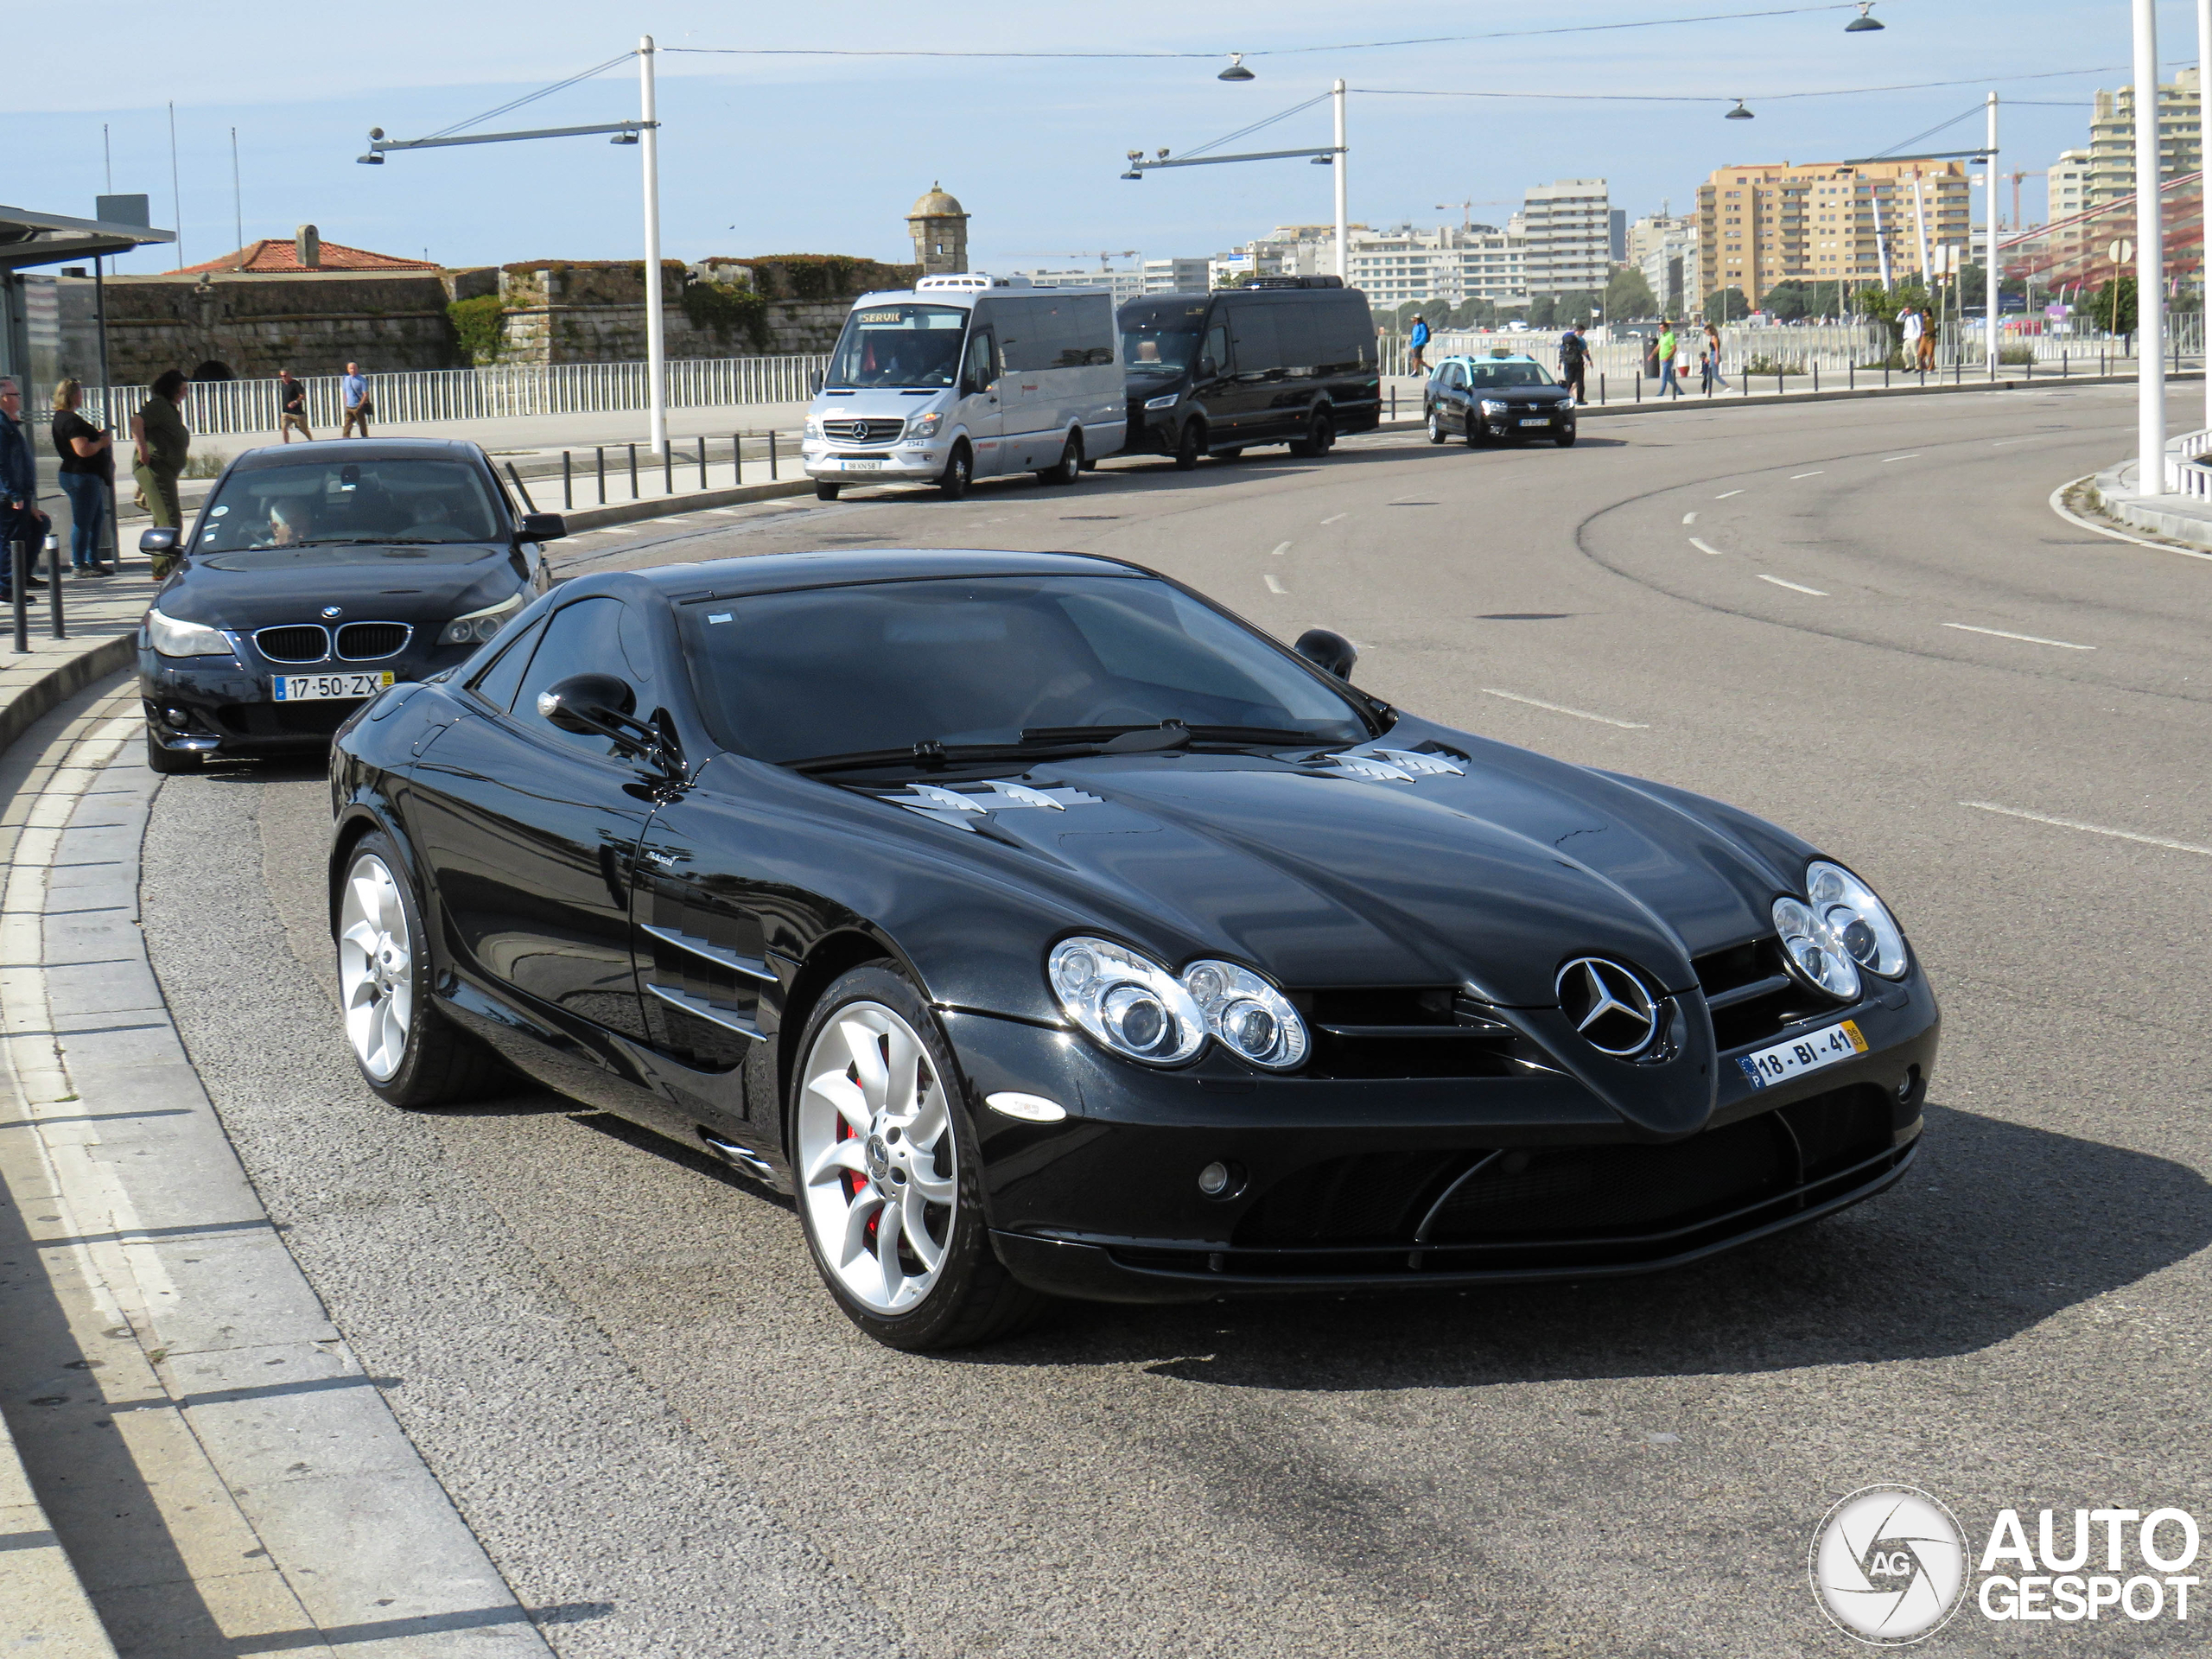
[
  {"x": 1725, "y": 495},
  {"x": 1689, "y": 518},
  {"x": 1815, "y": 473},
  {"x": 1334, "y": 516},
  {"x": 1282, "y": 548},
  {"x": 1915, "y": 455},
  {"x": 2090, "y": 828},
  {"x": 1561, "y": 709},
  {"x": 1794, "y": 586},
  {"x": 1704, "y": 546},
  {"x": 2025, "y": 639},
  {"x": 1274, "y": 586}
]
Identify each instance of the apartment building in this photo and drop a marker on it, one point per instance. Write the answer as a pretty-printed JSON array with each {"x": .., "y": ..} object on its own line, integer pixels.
[
  {"x": 1123, "y": 284},
  {"x": 2069, "y": 185},
  {"x": 1451, "y": 263},
  {"x": 1664, "y": 247},
  {"x": 2111, "y": 138},
  {"x": 1568, "y": 228},
  {"x": 1760, "y": 224}
]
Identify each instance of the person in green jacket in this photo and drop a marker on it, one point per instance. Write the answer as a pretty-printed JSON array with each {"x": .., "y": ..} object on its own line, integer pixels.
[
  {"x": 162, "y": 441},
  {"x": 1667, "y": 345}
]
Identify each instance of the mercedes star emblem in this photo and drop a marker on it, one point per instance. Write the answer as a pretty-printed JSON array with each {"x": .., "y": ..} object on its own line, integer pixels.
[{"x": 1608, "y": 1005}]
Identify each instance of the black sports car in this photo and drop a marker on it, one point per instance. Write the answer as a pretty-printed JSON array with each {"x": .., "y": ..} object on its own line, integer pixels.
[
  {"x": 1496, "y": 399},
  {"x": 1043, "y": 928},
  {"x": 315, "y": 576}
]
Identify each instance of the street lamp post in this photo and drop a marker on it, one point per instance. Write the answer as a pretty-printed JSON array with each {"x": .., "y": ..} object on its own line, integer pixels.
[
  {"x": 2204, "y": 148},
  {"x": 1344, "y": 251},
  {"x": 1992, "y": 276},
  {"x": 2150, "y": 281},
  {"x": 656, "y": 328}
]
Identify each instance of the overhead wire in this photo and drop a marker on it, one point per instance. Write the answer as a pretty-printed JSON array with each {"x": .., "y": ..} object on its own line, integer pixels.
[{"x": 531, "y": 97}]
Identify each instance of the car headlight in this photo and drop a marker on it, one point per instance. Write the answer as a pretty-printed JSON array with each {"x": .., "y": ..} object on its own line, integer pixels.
[
  {"x": 1492, "y": 406},
  {"x": 1131, "y": 1004},
  {"x": 925, "y": 426},
  {"x": 1167, "y": 401},
  {"x": 172, "y": 638},
  {"x": 813, "y": 427},
  {"x": 1247, "y": 1015},
  {"x": 1860, "y": 921},
  {"x": 1815, "y": 954},
  {"x": 479, "y": 625}
]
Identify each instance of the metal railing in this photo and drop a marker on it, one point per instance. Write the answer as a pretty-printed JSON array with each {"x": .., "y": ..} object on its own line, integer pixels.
[
  {"x": 501, "y": 391},
  {"x": 2183, "y": 475}
]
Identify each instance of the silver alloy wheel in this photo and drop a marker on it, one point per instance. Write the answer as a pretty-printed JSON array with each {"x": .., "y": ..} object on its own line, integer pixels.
[
  {"x": 878, "y": 1167},
  {"x": 376, "y": 966},
  {"x": 1435, "y": 427}
]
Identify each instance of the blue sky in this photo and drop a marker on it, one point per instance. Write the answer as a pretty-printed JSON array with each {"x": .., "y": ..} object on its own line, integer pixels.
[{"x": 773, "y": 154}]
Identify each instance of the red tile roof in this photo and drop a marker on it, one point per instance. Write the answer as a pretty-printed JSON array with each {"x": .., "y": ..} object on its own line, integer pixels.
[{"x": 271, "y": 257}]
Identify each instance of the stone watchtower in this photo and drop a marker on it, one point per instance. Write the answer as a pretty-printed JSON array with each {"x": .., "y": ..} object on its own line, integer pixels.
[{"x": 940, "y": 229}]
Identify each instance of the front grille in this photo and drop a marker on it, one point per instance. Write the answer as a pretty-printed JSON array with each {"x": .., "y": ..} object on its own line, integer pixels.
[
  {"x": 364, "y": 642},
  {"x": 298, "y": 642},
  {"x": 1411, "y": 1031},
  {"x": 857, "y": 431},
  {"x": 1750, "y": 994}
]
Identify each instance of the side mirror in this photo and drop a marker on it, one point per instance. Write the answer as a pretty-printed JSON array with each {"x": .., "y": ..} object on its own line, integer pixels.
[
  {"x": 813, "y": 381},
  {"x": 582, "y": 702},
  {"x": 157, "y": 541},
  {"x": 543, "y": 527},
  {"x": 1206, "y": 370},
  {"x": 1327, "y": 650}
]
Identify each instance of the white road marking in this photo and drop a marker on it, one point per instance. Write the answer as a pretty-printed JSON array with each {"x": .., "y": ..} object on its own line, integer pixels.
[
  {"x": 1705, "y": 547},
  {"x": 1915, "y": 455},
  {"x": 2091, "y": 829},
  {"x": 2001, "y": 442},
  {"x": 2025, "y": 638},
  {"x": 1689, "y": 518},
  {"x": 1282, "y": 548},
  {"x": 1274, "y": 586},
  {"x": 1815, "y": 473},
  {"x": 1561, "y": 709},
  {"x": 1332, "y": 519},
  {"x": 1725, "y": 495},
  {"x": 1794, "y": 586}
]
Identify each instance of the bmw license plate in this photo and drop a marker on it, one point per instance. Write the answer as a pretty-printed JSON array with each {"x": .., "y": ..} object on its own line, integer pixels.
[
  {"x": 1838, "y": 1042},
  {"x": 316, "y": 688},
  {"x": 1537, "y": 420},
  {"x": 862, "y": 466}
]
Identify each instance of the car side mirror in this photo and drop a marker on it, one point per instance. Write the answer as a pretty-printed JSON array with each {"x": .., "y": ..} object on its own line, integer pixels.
[
  {"x": 813, "y": 381},
  {"x": 1327, "y": 650},
  {"x": 157, "y": 541},
  {"x": 543, "y": 527},
  {"x": 602, "y": 705},
  {"x": 1206, "y": 369}
]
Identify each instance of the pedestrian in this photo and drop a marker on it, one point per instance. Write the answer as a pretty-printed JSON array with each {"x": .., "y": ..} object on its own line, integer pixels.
[
  {"x": 1668, "y": 345},
  {"x": 1712, "y": 352},
  {"x": 19, "y": 513},
  {"x": 1910, "y": 330},
  {"x": 1415, "y": 362},
  {"x": 1682, "y": 360},
  {"x": 1574, "y": 361},
  {"x": 87, "y": 476},
  {"x": 355, "y": 392},
  {"x": 292, "y": 407},
  {"x": 161, "y": 442}
]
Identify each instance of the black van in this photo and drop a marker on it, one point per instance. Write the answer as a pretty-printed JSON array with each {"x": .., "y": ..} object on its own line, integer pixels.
[{"x": 1287, "y": 360}]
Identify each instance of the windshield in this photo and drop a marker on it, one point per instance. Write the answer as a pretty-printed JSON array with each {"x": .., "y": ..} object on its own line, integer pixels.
[
  {"x": 407, "y": 500},
  {"x": 1485, "y": 375},
  {"x": 1161, "y": 336},
  {"x": 845, "y": 671},
  {"x": 899, "y": 346}
]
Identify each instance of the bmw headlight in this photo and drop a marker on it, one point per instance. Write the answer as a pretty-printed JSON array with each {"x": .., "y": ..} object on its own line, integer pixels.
[
  {"x": 172, "y": 638},
  {"x": 1131, "y": 1004},
  {"x": 479, "y": 625},
  {"x": 925, "y": 426},
  {"x": 1860, "y": 921},
  {"x": 1248, "y": 1016},
  {"x": 1169, "y": 401}
]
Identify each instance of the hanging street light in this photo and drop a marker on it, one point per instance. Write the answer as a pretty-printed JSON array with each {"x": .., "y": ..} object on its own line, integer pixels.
[
  {"x": 1740, "y": 113},
  {"x": 1237, "y": 71},
  {"x": 1865, "y": 22}
]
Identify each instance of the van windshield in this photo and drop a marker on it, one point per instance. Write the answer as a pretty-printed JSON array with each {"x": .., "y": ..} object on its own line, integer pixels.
[
  {"x": 900, "y": 346},
  {"x": 1161, "y": 336}
]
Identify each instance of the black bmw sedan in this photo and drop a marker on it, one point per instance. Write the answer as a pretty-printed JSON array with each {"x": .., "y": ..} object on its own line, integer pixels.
[
  {"x": 1496, "y": 399},
  {"x": 315, "y": 576},
  {"x": 1045, "y": 930}
]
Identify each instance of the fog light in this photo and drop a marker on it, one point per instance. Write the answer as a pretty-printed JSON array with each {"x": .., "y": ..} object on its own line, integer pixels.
[
  {"x": 176, "y": 717},
  {"x": 1220, "y": 1180}
]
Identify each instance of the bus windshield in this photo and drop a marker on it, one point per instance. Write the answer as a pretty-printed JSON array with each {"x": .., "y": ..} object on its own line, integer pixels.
[
  {"x": 1161, "y": 336},
  {"x": 902, "y": 344}
]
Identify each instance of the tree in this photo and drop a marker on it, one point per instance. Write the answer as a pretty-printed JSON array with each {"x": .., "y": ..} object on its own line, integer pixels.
[
  {"x": 1577, "y": 308},
  {"x": 1473, "y": 314},
  {"x": 1728, "y": 305},
  {"x": 1628, "y": 294},
  {"x": 2112, "y": 306},
  {"x": 1792, "y": 300},
  {"x": 1543, "y": 310}
]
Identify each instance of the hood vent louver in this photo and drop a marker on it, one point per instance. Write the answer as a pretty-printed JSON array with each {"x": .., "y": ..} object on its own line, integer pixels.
[
  {"x": 962, "y": 807},
  {"x": 1392, "y": 766}
]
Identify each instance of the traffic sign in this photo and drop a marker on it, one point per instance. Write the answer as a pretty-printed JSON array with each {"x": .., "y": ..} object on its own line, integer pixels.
[{"x": 2120, "y": 251}]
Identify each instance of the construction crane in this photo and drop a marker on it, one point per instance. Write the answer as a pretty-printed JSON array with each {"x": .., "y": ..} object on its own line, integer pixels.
[
  {"x": 1105, "y": 256},
  {"x": 1467, "y": 210}
]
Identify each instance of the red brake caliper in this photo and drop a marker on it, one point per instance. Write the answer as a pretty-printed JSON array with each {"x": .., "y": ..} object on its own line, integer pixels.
[{"x": 854, "y": 1181}]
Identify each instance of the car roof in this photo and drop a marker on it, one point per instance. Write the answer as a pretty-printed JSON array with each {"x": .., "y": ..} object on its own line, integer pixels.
[
  {"x": 279, "y": 455},
  {"x": 1487, "y": 357},
  {"x": 770, "y": 573}
]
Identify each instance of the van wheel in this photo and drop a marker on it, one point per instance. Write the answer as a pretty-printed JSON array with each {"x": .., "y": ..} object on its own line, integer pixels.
[
  {"x": 1069, "y": 467},
  {"x": 825, "y": 490},
  {"x": 1190, "y": 445},
  {"x": 1319, "y": 439},
  {"x": 959, "y": 472}
]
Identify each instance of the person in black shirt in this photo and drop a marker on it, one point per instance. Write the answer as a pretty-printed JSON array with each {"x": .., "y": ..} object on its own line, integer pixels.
[
  {"x": 1574, "y": 360},
  {"x": 87, "y": 476},
  {"x": 292, "y": 411}
]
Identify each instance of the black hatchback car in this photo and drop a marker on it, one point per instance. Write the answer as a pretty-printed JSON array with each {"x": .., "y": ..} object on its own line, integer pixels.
[
  {"x": 1043, "y": 929},
  {"x": 317, "y": 575},
  {"x": 1496, "y": 399}
]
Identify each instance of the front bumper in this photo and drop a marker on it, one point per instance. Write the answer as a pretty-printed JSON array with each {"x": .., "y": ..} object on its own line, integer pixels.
[
  {"x": 843, "y": 464},
  {"x": 1550, "y": 422},
  {"x": 1416, "y": 1182},
  {"x": 226, "y": 706}
]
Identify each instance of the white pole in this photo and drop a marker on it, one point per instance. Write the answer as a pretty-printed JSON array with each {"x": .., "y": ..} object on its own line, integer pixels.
[
  {"x": 1920, "y": 219},
  {"x": 1343, "y": 249},
  {"x": 2204, "y": 148},
  {"x": 2150, "y": 281},
  {"x": 1881, "y": 244},
  {"x": 656, "y": 340},
  {"x": 1991, "y": 276}
]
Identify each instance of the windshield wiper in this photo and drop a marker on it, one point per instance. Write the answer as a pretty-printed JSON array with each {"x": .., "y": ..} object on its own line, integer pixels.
[{"x": 1065, "y": 742}]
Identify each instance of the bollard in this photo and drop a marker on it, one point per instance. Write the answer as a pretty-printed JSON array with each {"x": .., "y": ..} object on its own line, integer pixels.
[
  {"x": 1639, "y": 388},
  {"x": 1601, "y": 388},
  {"x": 633, "y": 472},
  {"x": 737, "y": 458},
  {"x": 1394, "y": 403},
  {"x": 54, "y": 585},
  {"x": 599, "y": 451},
  {"x": 1816, "y": 377},
  {"x": 702, "y": 460},
  {"x": 772, "y": 454},
  {"x": 1779, "y": 389},
  {"x": 668, "y": 467},
  {"x": 568, "y": 499},
  {"x": 2064, "y": 372},
  {"x": 19, "y": 556},
  {"x": 1851, "y": 377}
]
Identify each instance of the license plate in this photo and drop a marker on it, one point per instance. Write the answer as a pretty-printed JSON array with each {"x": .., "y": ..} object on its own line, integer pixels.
[
  {"x": 862, "y": 466},
  {"x": 1838, "y": 1042},
  {"x": 1537, "y": 420},
  {"x": 316, "y": 688}
]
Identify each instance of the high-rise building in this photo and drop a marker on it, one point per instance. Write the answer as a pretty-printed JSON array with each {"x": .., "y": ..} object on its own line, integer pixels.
[
  {"x": 1122, "y": 284},
  {"x": 1568, "y": 226},
  {"x": 1174, "y": 276},
  {"x": 2111, "y": 138},
  {"x": 1452, "y": 262},
  {"x": 2069, "y": 185},
  {"x": 1617, "y": 235},
  {"x": 1819, "y": 222},
  {"x": 1664, "y": 248}
]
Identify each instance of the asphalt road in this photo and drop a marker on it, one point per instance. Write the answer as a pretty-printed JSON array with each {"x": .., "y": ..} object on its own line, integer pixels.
[{"x": 1857, "y": 619}]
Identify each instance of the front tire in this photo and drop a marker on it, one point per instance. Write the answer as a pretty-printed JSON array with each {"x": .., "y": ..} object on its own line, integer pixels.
[
  {"x": 826, "y": 491},
  {"x": 408, "y": 1052},
  {"x": 959, "y": 472},
  {"x": 1190, "y": 445},
  {"x": 1565, "y": 437},
  {"x": 1069, "y": 467},
  {"x": 1320, "y": 437},
  {"x": 888, "y": 1175}
]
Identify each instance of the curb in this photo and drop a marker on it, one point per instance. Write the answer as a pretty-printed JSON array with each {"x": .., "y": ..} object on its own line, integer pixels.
[
  {"x": 2168, "y": 529},
  {"x": 668, "y": 507},
  {"x": 54, "y": 687}
]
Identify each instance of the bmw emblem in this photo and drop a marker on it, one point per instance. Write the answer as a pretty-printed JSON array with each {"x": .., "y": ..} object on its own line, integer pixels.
[{"x": 330, "y": 611}]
